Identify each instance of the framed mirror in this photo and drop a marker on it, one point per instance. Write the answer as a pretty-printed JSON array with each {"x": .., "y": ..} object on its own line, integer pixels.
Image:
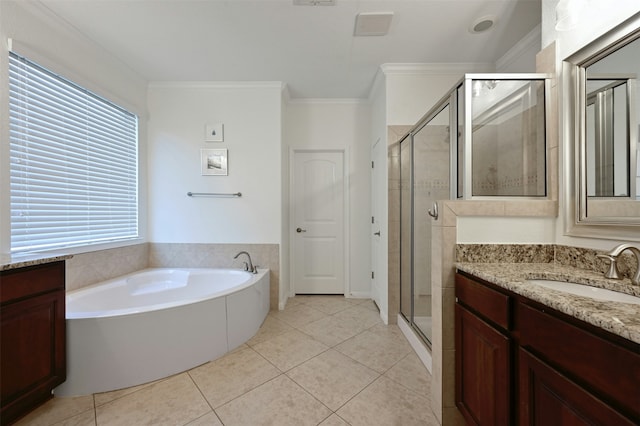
[{"x": 603, "y": 85}]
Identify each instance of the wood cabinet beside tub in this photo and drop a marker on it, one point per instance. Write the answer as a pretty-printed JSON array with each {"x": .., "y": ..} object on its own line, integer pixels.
[
  {"x": 32, "y": 333},
  {"x": 521, "y": 362}
]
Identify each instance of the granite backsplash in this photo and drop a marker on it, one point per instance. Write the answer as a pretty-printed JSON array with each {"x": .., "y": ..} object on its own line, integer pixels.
[{"x": 577, "y": 257}]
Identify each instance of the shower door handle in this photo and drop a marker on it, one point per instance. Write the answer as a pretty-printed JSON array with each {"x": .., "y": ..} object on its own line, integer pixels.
[{"x": 434, "y": 213}]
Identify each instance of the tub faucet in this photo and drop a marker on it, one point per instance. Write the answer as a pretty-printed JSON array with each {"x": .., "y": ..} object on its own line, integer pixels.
[
  {"x": 612, "y": 256},
  {"x": 248, "y": 267}
]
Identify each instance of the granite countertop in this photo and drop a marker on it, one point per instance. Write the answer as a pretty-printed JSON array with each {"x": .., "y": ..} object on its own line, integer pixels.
[
  {"x": 13, "y": 261},
  {"x": 619, "y": 318}
]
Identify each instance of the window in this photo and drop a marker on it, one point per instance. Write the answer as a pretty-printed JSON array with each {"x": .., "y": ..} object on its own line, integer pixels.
[{"x": 74, "y": 163}]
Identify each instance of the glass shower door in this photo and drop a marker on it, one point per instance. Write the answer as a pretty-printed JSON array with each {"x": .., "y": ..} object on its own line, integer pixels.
[
  {"x": 431, "y": 151},
  {"x": 424, "y": 179},
  {"x": 405, "y": 229}
]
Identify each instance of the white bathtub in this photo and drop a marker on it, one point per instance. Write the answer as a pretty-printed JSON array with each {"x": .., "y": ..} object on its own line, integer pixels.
[{"x": 157, "y": 322}]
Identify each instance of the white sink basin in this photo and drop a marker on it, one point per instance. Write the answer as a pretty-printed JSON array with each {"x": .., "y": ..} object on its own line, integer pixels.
[{"x": 587, "y": 291}]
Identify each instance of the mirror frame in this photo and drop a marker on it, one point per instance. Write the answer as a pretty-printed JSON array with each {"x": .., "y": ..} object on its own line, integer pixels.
[{"x": 574, "y": 114}]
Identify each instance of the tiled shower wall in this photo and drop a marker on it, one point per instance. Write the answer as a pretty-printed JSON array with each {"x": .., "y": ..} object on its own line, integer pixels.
[
  {"x": 93, "y": 267},
  {"x": 509, "y": 157},
  {"x": 394, "y": 133},
  {"x": 430, "y": 183}
]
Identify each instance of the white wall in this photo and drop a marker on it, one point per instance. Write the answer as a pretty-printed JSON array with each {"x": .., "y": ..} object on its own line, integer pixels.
[
  {"x": 410, "y": 95},
  {"x": 596, "y": 18},
  {"x": 506, "y": 230},
  {"x": 336, "y": 124},
  {"x": 251, "y": 114},
  {"x": 43, "y": 38}
]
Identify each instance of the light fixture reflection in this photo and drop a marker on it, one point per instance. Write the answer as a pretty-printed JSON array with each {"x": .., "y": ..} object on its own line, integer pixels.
[{"x": 568, "y": 13}]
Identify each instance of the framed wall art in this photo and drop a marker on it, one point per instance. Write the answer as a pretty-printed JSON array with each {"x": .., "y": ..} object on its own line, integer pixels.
[
  {"x": 214, "y": 162},
  {"x": 214, "y": 132}
]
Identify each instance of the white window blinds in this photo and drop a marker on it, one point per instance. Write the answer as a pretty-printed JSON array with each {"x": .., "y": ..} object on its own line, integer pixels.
[{"x": 74, "y": 163}]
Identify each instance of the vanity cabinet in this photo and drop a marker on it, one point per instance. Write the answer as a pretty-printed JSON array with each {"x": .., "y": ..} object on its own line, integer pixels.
[
  {"x": 32, "y": 337},
  {"x": 483, "y": 354},
  {"x": 559, "y": 370}
]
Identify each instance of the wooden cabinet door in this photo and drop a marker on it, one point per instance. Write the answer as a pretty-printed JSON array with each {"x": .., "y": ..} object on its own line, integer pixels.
[
  {"x": 483, "y": 378},
  {"x": 548, "y": 398},
  {"x": 32, "y": 334}
]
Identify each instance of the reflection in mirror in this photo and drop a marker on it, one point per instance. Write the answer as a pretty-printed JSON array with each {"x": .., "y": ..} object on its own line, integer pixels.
[
  {"x": 609, "y": 189},
  {"x": 607, "y": 137},
  {"x": 508, "y": 151},
  {"x": 460, "y": 141}
]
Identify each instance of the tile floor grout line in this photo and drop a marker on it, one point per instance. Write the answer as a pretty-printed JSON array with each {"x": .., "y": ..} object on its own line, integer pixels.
[
  {"x": 311, "y": 395},
  {"x": 378, "y": 332},
  {"x": 200, "y": 390},
  {"x": 250, "y": 390},
  {"x": 397, "y": 381},
  {"x": 142, "y": 387},
  {"x": 396, "y": 363},
  {"x": 95, "y": 409},
  {"x": 358, "y": 393}
]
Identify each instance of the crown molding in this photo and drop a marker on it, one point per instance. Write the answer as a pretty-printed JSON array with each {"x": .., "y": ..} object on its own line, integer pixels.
[
  {"x": 326, "y": 101},
  {"x": 219, "y": 84},
  {"x": 435, "y": 68},
  {"x": 532, "y": 39}
]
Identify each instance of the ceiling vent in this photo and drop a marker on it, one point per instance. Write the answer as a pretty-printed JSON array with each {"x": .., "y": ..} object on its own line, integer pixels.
[
  {"x": 483, "y": 24},
  {"x": 314, "y": 2},
  {"x": 373, "y": 23}
]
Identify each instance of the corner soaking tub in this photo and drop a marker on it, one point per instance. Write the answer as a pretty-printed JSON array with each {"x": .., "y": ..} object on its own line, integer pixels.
[{"x": 157, "y": 322}]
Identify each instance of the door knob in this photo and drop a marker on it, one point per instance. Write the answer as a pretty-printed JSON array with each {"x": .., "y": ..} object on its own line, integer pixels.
[
  {"x": 377, "y": 233},
  {"x": 298, "y": 230}
]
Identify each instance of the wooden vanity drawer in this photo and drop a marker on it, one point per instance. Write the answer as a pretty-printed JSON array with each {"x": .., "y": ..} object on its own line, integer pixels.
[
  {"x": 603, "y": 367},
  {"x": 487, "y": 302},
  {"x": 27, "y": 282}
]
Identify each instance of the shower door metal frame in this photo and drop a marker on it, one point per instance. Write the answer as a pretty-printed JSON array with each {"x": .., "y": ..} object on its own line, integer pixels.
[{"x": 447, "y": 101}]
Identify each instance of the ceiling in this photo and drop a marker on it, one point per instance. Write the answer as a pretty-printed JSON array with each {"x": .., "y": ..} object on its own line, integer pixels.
[{"x": 310, "y": 48}]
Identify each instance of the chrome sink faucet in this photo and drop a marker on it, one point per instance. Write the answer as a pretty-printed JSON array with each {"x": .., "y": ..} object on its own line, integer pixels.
[
  {"x": 612, "y": 256},
  {"x": 248, "y": 267}
]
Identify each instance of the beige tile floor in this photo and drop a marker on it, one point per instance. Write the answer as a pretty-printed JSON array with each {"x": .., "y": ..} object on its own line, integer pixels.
[{"x": 324, "y": 360}]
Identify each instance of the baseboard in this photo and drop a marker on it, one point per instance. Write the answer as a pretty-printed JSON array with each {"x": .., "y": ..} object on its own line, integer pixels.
[{"x": 359, "y": 295}]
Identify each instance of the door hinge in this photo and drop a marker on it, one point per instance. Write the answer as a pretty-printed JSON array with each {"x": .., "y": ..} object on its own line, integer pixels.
[
  {"x": 372, "y": 275},
  {"x": 372, "y": 164},
  {"x": 373, "y": 220}
]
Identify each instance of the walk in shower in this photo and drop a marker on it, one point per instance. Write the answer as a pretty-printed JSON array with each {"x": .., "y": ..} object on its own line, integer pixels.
[
  {"x": 496, "y": 149},
  {"x": 424, "y": 179}
]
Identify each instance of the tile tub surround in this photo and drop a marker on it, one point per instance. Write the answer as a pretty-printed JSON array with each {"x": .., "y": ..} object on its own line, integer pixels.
[
  {"x": 343, "y": 377},
  {"x": 187, "y": 255},
  {"x": 89, "y": 268},
  {"x": 97, "y": 266}
]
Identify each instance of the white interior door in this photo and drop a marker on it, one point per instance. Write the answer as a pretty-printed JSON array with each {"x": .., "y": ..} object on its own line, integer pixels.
[
  {"x": 318, "y": 259},
  {"x": 377, "y": 175}
]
